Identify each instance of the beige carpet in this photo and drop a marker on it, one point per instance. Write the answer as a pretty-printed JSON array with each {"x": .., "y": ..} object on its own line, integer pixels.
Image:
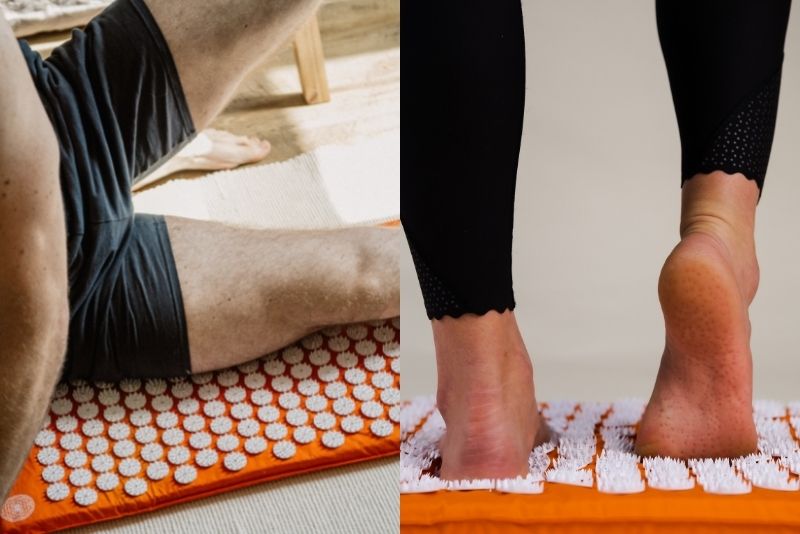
[{"x": 354, "y": 499}]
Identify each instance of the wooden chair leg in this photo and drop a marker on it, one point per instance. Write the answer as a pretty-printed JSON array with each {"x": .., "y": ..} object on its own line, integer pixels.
[{"x": 311, "y": 63}]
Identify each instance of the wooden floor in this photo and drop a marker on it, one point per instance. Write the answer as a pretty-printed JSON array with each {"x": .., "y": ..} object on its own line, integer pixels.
[
  {"x": 361, "y": 39},
  {"x": 362, "y": 48}
]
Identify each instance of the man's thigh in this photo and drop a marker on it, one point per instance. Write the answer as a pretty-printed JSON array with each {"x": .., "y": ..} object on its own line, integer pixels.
[
  {"x": 247, "y": 292},
  {"x": 215, "y": 43}
]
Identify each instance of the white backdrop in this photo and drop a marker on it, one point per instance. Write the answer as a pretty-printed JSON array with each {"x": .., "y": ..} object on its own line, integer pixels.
[{"x": 597, "y": 212}]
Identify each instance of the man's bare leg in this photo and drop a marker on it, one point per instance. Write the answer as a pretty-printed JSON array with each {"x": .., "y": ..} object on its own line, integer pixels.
[
  {"x": 217, "y": 42},
  {"x": 211, "y": 150},
  {"x": 486, "y": 396},
  {"x": 248, "y": 292},
  {"x": 702, "y": 402},
  {"x": 33, "y": 271}
]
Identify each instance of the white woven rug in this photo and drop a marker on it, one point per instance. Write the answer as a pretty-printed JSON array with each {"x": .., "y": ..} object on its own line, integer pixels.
[
  {"x": 329, "y": 187},
  {"x": 28, "y": 17}
]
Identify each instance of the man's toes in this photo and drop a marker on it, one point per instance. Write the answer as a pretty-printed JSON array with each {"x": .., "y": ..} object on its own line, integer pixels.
[
  {"x": 248, "y": 140},
  {"x": 244, "y": 153},
  {"x": 260, "y": 149},
  {"x": 222, "y": 138}
]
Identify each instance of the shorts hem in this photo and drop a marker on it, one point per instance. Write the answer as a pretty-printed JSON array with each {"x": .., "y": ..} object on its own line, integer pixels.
[
  {"x": 176, "y": 296},
  {"x": 168, "y": 60}
]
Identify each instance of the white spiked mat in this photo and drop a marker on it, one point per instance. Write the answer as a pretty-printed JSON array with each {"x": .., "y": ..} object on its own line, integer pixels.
[
  {"x": 107, "y": 450},
  {"x": 577, "y": 457}
]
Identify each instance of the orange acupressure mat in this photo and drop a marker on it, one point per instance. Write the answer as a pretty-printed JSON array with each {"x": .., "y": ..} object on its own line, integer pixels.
[
  {"x": 110, "y": 450},
  {"x": 587, "y": 480}
]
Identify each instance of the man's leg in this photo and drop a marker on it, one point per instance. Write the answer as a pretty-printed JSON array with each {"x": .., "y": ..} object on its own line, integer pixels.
[
  {"x": 249, "y": 292},
  {"x": 129, "y": 263},
  {"x": 459, "y": 165},
  {"x": 217, "y": 42},
  {"x": 33, "y": 270},
  {"x": 725, "y": 91},
  {"x": 211, "y": 150}
]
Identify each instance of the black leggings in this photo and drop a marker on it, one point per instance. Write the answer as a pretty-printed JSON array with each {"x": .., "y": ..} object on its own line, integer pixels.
[{"x": 463, "y": 95}]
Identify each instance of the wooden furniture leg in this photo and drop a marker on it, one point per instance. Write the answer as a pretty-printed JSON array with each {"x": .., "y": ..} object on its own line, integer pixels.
[{"x": 311, "y": 63}]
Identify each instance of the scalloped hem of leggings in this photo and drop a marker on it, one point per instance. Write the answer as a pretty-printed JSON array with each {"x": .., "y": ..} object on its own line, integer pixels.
[{"x": 479, "y": 312}]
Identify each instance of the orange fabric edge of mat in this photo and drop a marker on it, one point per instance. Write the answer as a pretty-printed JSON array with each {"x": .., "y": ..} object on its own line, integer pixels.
[
  {"x": 222, "y": 486},
  {"x": 232, "y": 487},
  {"x": 564, "y": 509},
  {"x": 360, "y": 447}
]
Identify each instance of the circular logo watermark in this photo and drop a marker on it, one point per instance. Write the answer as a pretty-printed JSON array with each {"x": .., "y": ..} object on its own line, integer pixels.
[{"x": 17, "y": 508}]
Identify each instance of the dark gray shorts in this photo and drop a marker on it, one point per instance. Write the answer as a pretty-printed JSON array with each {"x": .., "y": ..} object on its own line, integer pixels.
[{"x": 117, "y": 106}]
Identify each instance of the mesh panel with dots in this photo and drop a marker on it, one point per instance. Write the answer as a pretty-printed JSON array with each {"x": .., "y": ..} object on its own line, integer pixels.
[
  {"x": 439, "y": 300},
  {"x": 744, "y": 143}
]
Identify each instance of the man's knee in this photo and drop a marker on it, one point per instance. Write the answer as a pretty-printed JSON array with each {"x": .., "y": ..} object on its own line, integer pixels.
[{"x": 34, "y": 324}]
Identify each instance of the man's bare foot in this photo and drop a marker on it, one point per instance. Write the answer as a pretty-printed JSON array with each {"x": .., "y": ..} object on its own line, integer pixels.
[
  {"x": 214, "y": 150},
  {"x": 702, "y": 402},
  {"x": 486, "y": 397},
  {"x": 211, "y": 150}
]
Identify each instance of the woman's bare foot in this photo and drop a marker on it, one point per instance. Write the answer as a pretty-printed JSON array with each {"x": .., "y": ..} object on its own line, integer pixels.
[
  {"x": 211, "y": 150},
  {"x": 486, "y": 396},
  {"x": 702, "y": 402}
]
